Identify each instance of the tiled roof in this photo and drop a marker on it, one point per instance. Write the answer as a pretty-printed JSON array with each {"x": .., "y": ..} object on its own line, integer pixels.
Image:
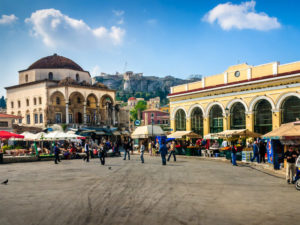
[{"x": 3, "y": 115}]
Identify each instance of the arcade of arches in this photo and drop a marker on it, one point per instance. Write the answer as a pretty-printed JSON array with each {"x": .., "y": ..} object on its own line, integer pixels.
[
  {"x": 260, "y": 115},
  {"x": 78, "y": 109}
]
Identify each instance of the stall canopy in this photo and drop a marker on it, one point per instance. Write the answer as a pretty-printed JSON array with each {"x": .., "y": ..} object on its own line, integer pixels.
[
  {"x": 7, "y": 135},
  {"x": 182, "y": 134},
  {"x": 147, "y": 131},
  {"x": 210, "y": 136},
  {"x": 58, "y": 135},
  {"x": 285, "y": 131},
  {"x": 237, "y": 133}
]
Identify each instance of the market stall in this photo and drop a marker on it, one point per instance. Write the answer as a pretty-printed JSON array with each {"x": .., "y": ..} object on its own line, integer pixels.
[
  {"x": 238, "y": 136},
  {"x": 279, "y": 140},
  {"x": 182, "y": 136}
]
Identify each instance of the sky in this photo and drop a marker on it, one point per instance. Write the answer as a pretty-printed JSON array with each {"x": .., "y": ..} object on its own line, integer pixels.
[{"x": 155, "y": 37}]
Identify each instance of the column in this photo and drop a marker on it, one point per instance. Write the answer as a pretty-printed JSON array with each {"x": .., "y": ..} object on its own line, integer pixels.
[
  {"x": 250, "y": 121},
  {"x": 84, "y": 113},
  {"x": 98, "y": 114},
  {"x": 172, "y": 124},
  {"x": 188, "y": 124},
  {"x": 226, "y": 122},
  {"x": 67, "y": 112},
  {"x": 114, "y": 116},
  {"x": 276, "y": 119},
  {"x": 205, "y": 125}
]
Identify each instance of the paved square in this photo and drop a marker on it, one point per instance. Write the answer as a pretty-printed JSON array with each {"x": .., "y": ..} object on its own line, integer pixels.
[{"x": 189, "y": 191}]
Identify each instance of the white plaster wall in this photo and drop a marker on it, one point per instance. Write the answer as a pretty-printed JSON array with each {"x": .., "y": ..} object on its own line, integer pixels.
[{"x": 58, "y": 74}]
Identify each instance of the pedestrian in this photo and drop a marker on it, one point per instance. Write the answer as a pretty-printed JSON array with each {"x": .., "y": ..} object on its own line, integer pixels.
[
  {"x": 262, "y": 152},
  {"x": 56, "y": 154},
  {"x": 87, "y": 152},
  {"x": 142, "y": 149},
  {"x": 163, "y": 150},
  {"x": 172, "y": 151},
  {"x": 150, "y": 148},
  {"x": 255, "y": 152},
  {"x": 291, "y": 156},
  {"x": 233, "y": 155},
  {"x": 101, "y": 154},
  {"x": 126, "y": 149}
]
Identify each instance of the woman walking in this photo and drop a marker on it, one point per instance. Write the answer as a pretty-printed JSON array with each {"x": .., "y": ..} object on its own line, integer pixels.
[
  {"x": 142, "y": 149},
  {"x": 101, "y": 154}
]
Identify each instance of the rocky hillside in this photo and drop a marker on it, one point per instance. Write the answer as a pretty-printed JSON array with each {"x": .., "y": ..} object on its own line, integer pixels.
[{"x": 142, "y": 86}]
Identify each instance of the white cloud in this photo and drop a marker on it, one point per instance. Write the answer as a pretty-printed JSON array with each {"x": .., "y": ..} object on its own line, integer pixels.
[
  {"x": 59, "y": 30},
  {"x": 118, "y": 12},
  {"x": 121, "y": 21},
  {"x": 8, "y": 19},
  {"x": 242, "y": 16},
  {"x": 95, "y": 71},
  {"x": 152, "y": 22}
]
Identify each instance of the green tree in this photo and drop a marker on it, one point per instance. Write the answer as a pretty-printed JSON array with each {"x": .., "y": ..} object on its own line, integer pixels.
[
  {"x": 140, "y": 107},
  {"x": 2, "y": 102}
]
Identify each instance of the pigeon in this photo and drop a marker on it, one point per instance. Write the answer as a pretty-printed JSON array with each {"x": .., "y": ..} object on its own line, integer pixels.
[
  {"x": 109, "y": 168},
  {"x": 5, "y": 182}
]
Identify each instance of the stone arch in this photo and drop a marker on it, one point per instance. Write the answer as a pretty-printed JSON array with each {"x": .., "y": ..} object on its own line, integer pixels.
[
  {"x": 189, "y": 113},
  {"x": 55, "y": 95},
  {"x": 106, "y": 98},
  {"x": 210, "y": 105},
  {"x": 232, "y": 102},
  {"x": 176, "y": 109},
  {"x": 257, "y": 99},
  {"x": 93, "y": 100},
  {"x": 74, "y": 96},
  {"x": 283, "y": 97}
]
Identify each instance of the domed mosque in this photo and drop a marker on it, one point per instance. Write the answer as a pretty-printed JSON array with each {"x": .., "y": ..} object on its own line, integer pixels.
[{"x": 56, "y": 90}]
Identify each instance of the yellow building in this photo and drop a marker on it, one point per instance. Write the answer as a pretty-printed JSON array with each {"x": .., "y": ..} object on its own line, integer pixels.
[{"x": 259, "y": 98}]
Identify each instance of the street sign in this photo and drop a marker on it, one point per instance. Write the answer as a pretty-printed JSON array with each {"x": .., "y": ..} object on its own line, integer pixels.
[{"x": 137, "y": 122}]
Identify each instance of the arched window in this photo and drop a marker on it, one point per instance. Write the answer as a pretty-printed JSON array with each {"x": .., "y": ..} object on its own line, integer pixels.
[
  {"x": 290, "y": 109},
  {"x": 50, "y": 76},
  {"x": 262, "y": 117},
  {"x": 197, "y": 121},
  {"x": 57, "y": 101},
  {"x": 27, "y": 102},
  {"x": 180, "y": 120},
  {"x": 216, "y": 119},
  {"x": 40, "y": 100},
  {"x": 88, "y": 103},
  {"x": 237, "y": 116},
  {"x": 26, "y": 78},
  {"x": 77, "y": 77},
  {"x": 34, "y": 101},
  {"x": 78, "y": 100}
]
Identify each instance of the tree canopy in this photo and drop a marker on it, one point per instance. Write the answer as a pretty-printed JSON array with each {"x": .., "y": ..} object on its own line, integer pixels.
[{"x": 139, "y": 108}]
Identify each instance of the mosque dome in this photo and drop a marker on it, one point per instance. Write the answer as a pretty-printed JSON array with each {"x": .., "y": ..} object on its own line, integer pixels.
[{"x": 55, "y": 62}]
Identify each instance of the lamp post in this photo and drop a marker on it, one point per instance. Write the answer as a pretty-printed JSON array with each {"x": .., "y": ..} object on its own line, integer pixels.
[
  {"x": 227, "y": 114},
  {"x": 152, "y": 121}
]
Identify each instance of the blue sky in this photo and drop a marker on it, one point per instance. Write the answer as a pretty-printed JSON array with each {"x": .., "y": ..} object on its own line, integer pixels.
[{"x": 155, "y": 37}]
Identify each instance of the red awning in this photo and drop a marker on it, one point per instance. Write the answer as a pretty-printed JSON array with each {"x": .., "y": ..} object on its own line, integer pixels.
[{"x": 7, "y": 135}]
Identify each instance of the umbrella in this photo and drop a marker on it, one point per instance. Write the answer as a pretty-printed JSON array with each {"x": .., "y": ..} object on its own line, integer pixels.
[
  {"x": 285, "y": 131},
  {"x": 7, "y": 135},
  {"x": 181, "y": 134}
]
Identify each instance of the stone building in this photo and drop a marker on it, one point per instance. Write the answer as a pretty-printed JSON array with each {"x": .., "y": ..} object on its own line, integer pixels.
[
  {"x": 153, "y": 103},
  {"x": 259, "y": 98},
  {"x": 56, "y": 90}
]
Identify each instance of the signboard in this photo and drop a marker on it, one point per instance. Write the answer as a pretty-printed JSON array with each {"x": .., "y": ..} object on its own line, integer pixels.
[{"x": 137, "y": 123}]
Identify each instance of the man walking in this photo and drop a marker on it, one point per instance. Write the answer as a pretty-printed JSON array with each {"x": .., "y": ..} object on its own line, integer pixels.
[
  {"x": 102, "y": 153},
  {"x": 126, "y": 149},
  {"x": 172, "y": 151},
  {"x": 87, "y": 152},
  {"x": 262, "y": 152},
  {"x": 291, "y": 156},
  {"x": 233, "y": 155},
  {"x": 142, "y": 149},
  {"x": 56, "y": 153},
  {"x": 163, "y": 150},
  {"x": 255, "y": 152}
]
